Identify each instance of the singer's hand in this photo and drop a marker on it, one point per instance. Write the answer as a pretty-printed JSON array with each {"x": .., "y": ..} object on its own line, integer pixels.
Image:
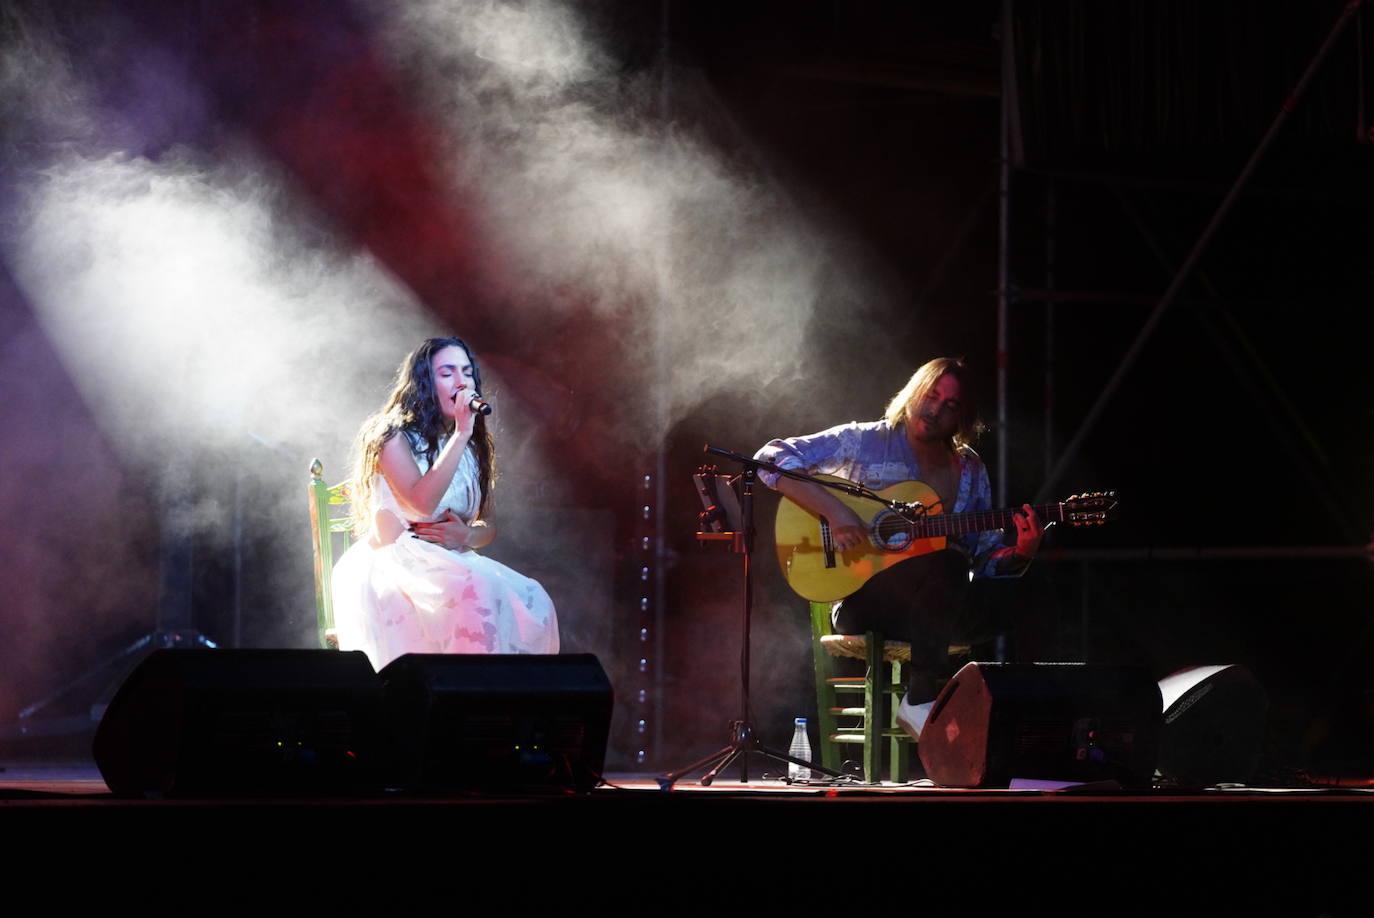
[
  {"x": 450, "y": 532},
  {"x": 463, "y": 416}
]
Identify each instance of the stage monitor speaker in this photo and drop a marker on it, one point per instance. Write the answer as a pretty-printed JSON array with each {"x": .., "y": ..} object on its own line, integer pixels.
[
  {"x": 1052, "y": 721},
  {"x": 210, "y": 722},
  {"x": 498, "y": 721},
  {"x": 1214, "y": 722}
]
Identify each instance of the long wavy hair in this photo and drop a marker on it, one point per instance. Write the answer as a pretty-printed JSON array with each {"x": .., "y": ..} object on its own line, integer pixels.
[
  {"x": 920, "y": 384},
  {"x": 412, "y": 410}
]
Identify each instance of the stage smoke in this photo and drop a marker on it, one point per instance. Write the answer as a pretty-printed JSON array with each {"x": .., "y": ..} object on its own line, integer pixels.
[{"x": 601, "y": 187}]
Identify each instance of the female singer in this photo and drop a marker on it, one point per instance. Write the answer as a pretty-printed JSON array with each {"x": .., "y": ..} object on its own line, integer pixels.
[{"x": 413, "y": 581}]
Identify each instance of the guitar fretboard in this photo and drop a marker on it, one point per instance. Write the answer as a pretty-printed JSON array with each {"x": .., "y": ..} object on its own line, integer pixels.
[{"x": 957, "y": 524}]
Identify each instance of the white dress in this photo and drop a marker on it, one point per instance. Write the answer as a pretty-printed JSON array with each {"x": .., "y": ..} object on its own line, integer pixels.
[{"x": 414, "y": 596}]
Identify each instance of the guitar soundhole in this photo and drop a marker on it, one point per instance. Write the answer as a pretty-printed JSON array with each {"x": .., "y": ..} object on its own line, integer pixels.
[{"x": 890, "y": 532}]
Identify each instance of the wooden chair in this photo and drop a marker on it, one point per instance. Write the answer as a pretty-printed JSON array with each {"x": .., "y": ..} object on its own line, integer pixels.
[
  {"x": 843, "y": 721},
  {"x": 327, "y": 520}
]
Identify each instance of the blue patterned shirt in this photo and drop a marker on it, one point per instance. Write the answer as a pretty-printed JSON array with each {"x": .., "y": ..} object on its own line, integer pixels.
[{"x": 877, "y": 455}]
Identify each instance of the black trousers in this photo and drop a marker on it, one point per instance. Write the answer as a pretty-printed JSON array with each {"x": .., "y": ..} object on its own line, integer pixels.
[{"x": 920, "y": 600}]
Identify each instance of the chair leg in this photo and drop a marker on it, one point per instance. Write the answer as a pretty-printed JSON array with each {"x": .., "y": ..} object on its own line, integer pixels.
[
  {"x": 875, "y": 708},
  {"x": 899, "y": 754},
  {"x": 824, "y": 668}
]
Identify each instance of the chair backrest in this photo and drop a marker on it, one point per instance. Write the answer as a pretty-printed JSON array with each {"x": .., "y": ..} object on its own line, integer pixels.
[{"x": 329, "y": 515}]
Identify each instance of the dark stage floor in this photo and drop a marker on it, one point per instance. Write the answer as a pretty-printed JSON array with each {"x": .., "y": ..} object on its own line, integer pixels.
[{"x": 1214, "y": 851}]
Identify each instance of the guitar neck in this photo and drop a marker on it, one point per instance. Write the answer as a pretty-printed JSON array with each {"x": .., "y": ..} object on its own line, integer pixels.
[{"x": 957, "y": 524}]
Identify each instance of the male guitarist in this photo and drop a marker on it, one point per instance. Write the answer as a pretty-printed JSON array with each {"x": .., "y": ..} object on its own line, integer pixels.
[{"x": 924, "y": 436}]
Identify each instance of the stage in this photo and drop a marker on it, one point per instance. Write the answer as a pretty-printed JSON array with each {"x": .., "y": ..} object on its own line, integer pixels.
[{"x": 1167, "y": 851}]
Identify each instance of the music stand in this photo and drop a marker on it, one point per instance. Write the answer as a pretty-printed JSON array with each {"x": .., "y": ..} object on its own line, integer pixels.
[{"x": 743, "y": 739}]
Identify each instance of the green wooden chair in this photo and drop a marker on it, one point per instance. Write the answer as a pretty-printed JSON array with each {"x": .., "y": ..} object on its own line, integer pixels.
[
  {"x": 329, "y": 516},
  {"x": 862, "y": 710},
  {"x": 859, "y": 709}
]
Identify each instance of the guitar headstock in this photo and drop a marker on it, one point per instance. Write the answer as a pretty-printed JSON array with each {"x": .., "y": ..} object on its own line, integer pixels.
[{"x": 1091, "y": 509}]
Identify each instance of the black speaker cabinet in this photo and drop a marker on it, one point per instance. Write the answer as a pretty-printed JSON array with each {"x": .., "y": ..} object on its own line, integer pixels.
[
  {"x": 1214, "y": 721},
  {"x": 1053, "y": 721},
  {"x": 208, "y": 722},
  {"x": 498, "y": 721}
]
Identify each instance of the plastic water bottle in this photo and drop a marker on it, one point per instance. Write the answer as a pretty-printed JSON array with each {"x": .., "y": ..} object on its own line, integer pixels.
[{"x": 800, "y": 749}]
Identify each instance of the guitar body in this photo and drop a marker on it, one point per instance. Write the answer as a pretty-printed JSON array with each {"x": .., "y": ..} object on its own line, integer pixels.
[
  {"x": 819, "y": 573},
  {"x": 822, "y": 575}
]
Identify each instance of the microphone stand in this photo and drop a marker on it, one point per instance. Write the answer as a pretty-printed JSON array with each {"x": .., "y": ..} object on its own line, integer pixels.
[{"x": 743, "y": 738}]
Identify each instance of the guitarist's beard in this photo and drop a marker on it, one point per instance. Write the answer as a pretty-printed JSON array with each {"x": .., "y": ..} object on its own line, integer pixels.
[{"x": 929, "y": 429}]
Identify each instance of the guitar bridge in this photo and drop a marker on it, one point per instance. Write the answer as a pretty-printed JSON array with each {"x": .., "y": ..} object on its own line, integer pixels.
[{"x": 827, "y": 543}]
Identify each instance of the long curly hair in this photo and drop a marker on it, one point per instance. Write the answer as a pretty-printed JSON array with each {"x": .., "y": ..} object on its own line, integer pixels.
[
  {"x": 923, "y": 380},
  {"x": 412, "y": 409}
]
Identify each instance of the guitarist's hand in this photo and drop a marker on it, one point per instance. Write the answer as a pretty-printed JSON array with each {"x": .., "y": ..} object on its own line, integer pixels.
[
  {"x": 1028, "y": 531},
  {"x": 848, "y": 531}
]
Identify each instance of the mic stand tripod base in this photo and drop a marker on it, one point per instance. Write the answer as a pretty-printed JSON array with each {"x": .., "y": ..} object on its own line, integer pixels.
[{"x": 743, "y": 740}]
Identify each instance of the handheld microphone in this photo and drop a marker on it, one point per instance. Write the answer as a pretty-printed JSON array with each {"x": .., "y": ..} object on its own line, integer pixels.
[{"x": 479, "y": 406}]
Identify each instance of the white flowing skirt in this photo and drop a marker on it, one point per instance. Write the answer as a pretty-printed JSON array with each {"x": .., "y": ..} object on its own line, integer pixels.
[{"x": 413, "y": 596}]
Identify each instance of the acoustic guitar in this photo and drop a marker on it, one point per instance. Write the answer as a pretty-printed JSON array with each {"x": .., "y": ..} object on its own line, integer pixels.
[{"x": 816, "y": 571}]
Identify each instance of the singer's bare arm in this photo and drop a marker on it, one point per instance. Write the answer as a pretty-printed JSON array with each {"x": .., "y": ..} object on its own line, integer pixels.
[
  {"x": 451, "y": 532},
  {"x": 421, "y": 493},
  {"x": 481, "y": 534}
]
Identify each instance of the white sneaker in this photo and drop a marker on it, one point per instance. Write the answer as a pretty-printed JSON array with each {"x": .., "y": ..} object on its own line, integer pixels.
[{"x": 912, "y": 717}]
